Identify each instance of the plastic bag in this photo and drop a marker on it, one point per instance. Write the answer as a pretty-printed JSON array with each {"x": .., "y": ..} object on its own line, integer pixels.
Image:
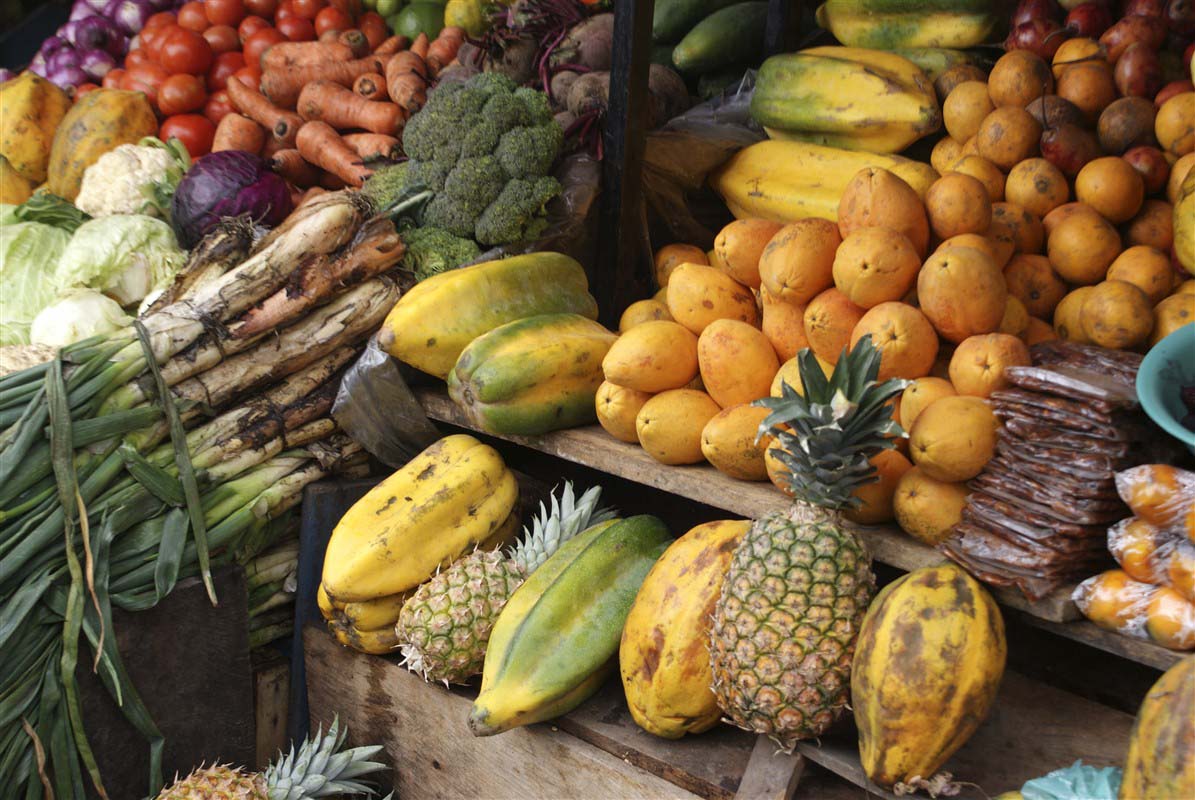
[
  {"x": 1116, "y": 602},
  {"x": 679, "y": 158},
  {"x": 1161, "y": 495},
  {"x": 1153, "y": 555}
]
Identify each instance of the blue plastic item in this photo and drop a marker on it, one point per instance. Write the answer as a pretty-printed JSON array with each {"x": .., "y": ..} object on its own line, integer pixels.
[{"x": 1168, "y": 367}]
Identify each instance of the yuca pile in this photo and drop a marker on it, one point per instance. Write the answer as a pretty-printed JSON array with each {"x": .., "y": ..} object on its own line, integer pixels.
[{"x": 109, "y": 494}]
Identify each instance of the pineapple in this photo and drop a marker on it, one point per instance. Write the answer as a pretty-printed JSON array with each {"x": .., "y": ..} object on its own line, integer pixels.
[
  {"x": 784, "y": 628},
  {"x": 445, "y": 626},
  {"x": 318, "y": 770}
]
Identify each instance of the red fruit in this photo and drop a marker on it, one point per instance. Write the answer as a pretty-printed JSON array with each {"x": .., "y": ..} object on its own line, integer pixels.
[
  {"x": 195, "y": 131},
  {"x": 1069, "y": 148},
  {"x": 1029, "y": 10},
  {"x": 1152, "y": 164},
  {"x": 186, "y": 51},
  {"x": 1180, "y": 17},
  {"x": 1136, "y": 28},
  {"x": 1171, "y": 89},
  {"x": 1145, "y": 8},
  {"x": 1040, "y": 36},
  {"x": 1089, "y": 20},
  {"x": 1138, "y": 71}
]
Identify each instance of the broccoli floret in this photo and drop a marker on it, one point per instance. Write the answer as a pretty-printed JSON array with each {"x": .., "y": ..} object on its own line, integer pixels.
[
  {"x": 539, "y": 110},
  {"x": 529, "y": 152},
  {"x": 386, "y": 184},
  {"x": 506, "y": 112},
  {"x": 517, "y": 213},
  {"x": 455, "y": 217},
  {"x": 426, "y": 173},
  {"x": 431, "y": 251},
  {"x": 489, "y": 83},
  {"x": 475, "y": 181},
  {"x": 419, "y": 137}
]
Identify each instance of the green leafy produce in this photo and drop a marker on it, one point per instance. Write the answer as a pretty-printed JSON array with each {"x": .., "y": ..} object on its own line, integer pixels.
[
  {"x": 484, "y": 147},
  {"x": 28, "y": 253},
  {"x": 124, "y": 255},
  {"x": 431, "y": 251}
]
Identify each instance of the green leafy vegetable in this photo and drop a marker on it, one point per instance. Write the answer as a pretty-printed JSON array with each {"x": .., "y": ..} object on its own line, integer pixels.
[{"x": 28, "y": 253}]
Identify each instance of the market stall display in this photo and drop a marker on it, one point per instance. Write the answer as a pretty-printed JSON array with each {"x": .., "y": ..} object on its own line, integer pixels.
[{"x": 895, "y": 289}]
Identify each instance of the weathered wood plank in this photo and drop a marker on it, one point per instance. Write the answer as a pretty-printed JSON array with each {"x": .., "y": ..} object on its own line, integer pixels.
[
  {"x": 272, "y": 695},
  {"x": 771, "y": 773},
  {"x": 422, "y": 728},
  {"x": 594, "y": 448}
]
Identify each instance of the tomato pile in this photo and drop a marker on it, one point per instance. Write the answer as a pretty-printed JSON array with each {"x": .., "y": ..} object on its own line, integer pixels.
[{"x": 183, "y": 60}]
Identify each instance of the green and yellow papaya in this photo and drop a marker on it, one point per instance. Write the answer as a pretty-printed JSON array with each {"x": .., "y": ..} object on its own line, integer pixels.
[
  {"x": 1161, "y": 760},
  {"x": 433, "y": 322},
  {"x": 99, "y": 121},
  {"x": 892, "y": 24},
  {"x": 533, "y": 375},
  {"x": 556, "y": 639}
]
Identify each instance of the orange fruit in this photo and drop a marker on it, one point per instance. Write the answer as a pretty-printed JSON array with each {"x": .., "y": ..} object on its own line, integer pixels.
[
  {"x": 671, "y": 256},
  {"x": 877, "y": 496},
  {"x": 958, "y": 203},
  {"x": 1112, "y": 187},
  {"x": 784, "y": 325},
  {"x": 1037, "y": 186},
  {"x": 1050, "y": 221},
  {"x": 978, "y": 364},
  {"x": 927, "y": 509},
  {"x": 1008, "y": 136},
  {"x": 1133, "y": 544},
  {"x": 877, "y": 198},
  {"x": 1175, "y": 124},
  {"x": 962, "y": 292},
  {"x": 617, "y": 408},
  {"x": 1003, "y": 241},
  {"x": 946, "y": 152},
  {"x": 1089, "y": 86},
  {"x": 1112, "y": 599},
  {"x": 1079, "y": 50},
  {"x": 1034, "y": 282},
  {"x": 1067, "y": 323},
  {"x": 906, "y": 340},
  {"x": 642, "y": 311},
  {"x": 979, "y": 242},
  {"x": 983, "y": 171},
  {"x": 954, "y": 438},
  {"x": 1026, "y": 227},
  {"x": 1147, "y": 268},
  {"x": 1038, "y": 330},
  {"x": 965, "y": 109},
  {"x": 829, "y": 319},
  {"x": 1180, "y": 568},
  {"x": 1176, "y": 311},
  {"x": 1019, "y": 77},
  {"x": 875, "y": 265},
  {"x": 790, "y": 373},
  {"x": 1116, "y": 315},
  {"x": 919, "y": 394},
  {"x": 1153, "y": 226},
  {"x": 1015, "y": 320},
  {"x": 1170, "y": 617},
  {"x": 1082, "y": 247},
  {"x": 1178, "y": 173},
  {"x": 1157, "y": 493},
  {"x": 798, "y": 261},
  {"x": 739, "y": 246}
]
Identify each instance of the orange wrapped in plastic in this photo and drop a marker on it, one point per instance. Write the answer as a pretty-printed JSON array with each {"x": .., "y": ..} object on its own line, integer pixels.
[
  {"x": 1140, "y": 549},
  {"x": 1116, "y": 602},
  {"x": 1180, "y": 570},
  {"x": 1160, "y": 494}
]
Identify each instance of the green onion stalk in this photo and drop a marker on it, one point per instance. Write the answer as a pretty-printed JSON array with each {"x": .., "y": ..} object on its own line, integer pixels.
[{"x": 134, "y": 460}]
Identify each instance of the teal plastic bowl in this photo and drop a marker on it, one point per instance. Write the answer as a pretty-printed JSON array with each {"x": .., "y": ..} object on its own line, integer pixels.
[{"x": 1166, "y": 368}]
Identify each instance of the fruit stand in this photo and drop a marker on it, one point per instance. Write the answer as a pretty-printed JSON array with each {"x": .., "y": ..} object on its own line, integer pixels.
[{"x": 556, "y": 398}]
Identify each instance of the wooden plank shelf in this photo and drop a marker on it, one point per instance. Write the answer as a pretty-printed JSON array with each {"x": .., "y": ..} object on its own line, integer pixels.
[
  {"x": 598, "y": 751},
  {"x": 593, "y": 447}
]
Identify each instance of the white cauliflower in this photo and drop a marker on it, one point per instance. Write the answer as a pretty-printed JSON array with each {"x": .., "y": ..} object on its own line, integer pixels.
[{"x": 133, "y": 179}]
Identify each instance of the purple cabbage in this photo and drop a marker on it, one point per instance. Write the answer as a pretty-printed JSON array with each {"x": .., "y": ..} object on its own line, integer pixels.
[{"x": 227, "y": 184}]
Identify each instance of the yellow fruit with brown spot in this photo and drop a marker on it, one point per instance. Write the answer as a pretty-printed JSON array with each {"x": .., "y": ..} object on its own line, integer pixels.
[
  {"x": 1037, "y": 331},
  {"x": 877, "y": 198},
  {"x": 31, "y": 109},
  {"x": 1082, "y": 247},
  {"x": 729, "y": 443},
  {"x": 1116, "y": 315},
  {"x": 954, "y": 438},
  {"x": 1026, "y": 227},
  {"x": 784, "y": 325},
  {"x": 829, "y": 319},
  {"x": 1147, "y": 268},
  {"x": 1034, "y": 282},
  {"x": 1037, "y": 186},
  {"x": 927, "y": 666},
  {"x": 1174, "y": 125},
  {"x": 698, "y": 295},
  {"x": 907, "y": 342},
  {"x": 617, "y": 408},
  {"x": 664, "y": 657},
  {"x": 965, "y": 109},
  {"x": 737, "y": 362},
  {"x": 1008, "y": 136},
  {"x": 1161, "y": 758},
  {"x": 671, "y": 256},
  {"x": 1112, "y": 186},
  {"x": 877, "y": 496},
  {"x": 926, "y": 508},
  {"x": 958, "y": 203},
  {"x": 669, "y": 425},
  {"x": 979, "y": 242},
  {"x": 642, "y": 311},
  {"x": 918, "y": 396},
  {"x": 1173, "y": 313},
  {"x": 1016, "y": 318},
  {"x": 1153, "y": 226},
  {"x": 978, "y": 364},
  {"x": 739, "y": 246},
  {"x": 1067, "y": 321},
  {"x": 652, "y": 357},
  {"x": 875, "y": 265},
  {"x": 946, "y": 152},
  {"x": 798, "y": 262},
  {"x": 962, "y": 292},
  {"x": 983, "y": 171}
]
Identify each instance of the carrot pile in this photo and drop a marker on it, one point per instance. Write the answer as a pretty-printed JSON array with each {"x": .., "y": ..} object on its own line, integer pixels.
[{"x": 323, "y": 110}]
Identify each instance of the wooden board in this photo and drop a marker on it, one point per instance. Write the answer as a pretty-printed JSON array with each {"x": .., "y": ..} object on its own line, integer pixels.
[
  {"x": 1032, "y": 729},
  {"x": 271, "y": 697},
  {"x": 594, "y": 448}
]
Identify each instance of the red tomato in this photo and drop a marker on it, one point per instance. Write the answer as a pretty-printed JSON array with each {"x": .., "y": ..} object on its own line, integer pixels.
[
  {"x": 248, "y": 75},
  {"x": 332, "y": 19},
  {"x": 159, "y": 19},
  {"x": 151, "y": 40},
  {"x": 224, "y": 12},
  {"x": 222, "y": 38},
  {"x": 262, "y": 8},
  {"x": 257, "y": 44},
  {"x": 218, "y": 106},
  {"x": 224, "y": 66},
  {"x": 351, "y": 7},
  {"x": 195, "y": 131},
  {"x": 286, "y": 8},
  {"x": 308, "y": 8},
  {"x": 135, "y": 57},
  {"x": 112, "y": 79},
  {"x": 145, "y": 78},
  {"x": 186, "y": 51},
  {"x": 250, "y": 26},
  {"x": 297, "y": 29},
  {"x": 374, "y": 27},
  {"x": 84, "y": 88},
  {"x": 181, "y": 93},
  {"x": 192, "y": 16}
]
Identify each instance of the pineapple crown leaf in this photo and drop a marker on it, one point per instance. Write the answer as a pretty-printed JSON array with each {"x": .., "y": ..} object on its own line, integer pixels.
[
  {"x": 321, "y": 769},
  {"x": 827, "y": 436},
  {"x": 554, "y": 526}
]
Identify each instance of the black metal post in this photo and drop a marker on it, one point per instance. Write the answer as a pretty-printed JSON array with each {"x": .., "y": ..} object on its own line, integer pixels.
[
  {"x": 787, "y": 21},
  {"x": 624, "y": 270}
]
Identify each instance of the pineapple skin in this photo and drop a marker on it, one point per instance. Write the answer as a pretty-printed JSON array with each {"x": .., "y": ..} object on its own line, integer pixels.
[
  {"x": 218, "y": 782},
  {"x": 784, "y": 628},
  {"x": 446, "y": 625}
]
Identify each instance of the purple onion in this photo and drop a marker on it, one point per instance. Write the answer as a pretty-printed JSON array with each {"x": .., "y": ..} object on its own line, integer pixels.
[
  {"x": 80, "y": 10},
  {"x": 129, "y": 15},
  {"x": 53, "y": 44},
  {"x": 67, "y": 77},
  {"x": 96, "y": 63},
  {"x": 38, "y": 64},
  {"x": 62, "y": 59},
  {"x": 6, "y": 75}
]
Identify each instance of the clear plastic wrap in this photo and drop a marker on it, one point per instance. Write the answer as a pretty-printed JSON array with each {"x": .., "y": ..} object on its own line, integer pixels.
[
  {"x": 1116, "y": 602},
  {"x": 1160, "y": 494}
]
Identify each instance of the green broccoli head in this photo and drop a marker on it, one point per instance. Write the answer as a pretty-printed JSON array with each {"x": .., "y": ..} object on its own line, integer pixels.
[
  {"x": 539, "y": 110},
  {"x": 518, "y": 211},
  {"x": 387, "y": 183},
  {"x": 529, "y": 152},
  {"x": 426, "y": 173},
  {"x": 475, "y": 181},
  {"x": 431, "y": 251}
]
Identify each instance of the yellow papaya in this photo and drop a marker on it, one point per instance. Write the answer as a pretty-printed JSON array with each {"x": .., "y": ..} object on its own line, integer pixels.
[
  {"x": 31, "y": 109},
  {"x": 99, "y": 121},
  {"x": 1161, "y": 760}
]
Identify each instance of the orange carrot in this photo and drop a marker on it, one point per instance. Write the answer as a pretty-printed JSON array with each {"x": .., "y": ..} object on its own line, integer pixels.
[
  {"x": 392, "y": 45},
  {"x": 342, "y": 108},
  {"x": 282, "y": 125},
  {"x": 238, "y": 132},
  {"x": 373, "y": 145},
  {"x": 419, "y": 46},
  {"x": 271, "y": 147},
  {"x": 320, "y": 144},
  {"x": 406, "y": 80},
  {"x": 355, "y": 41},
  {"x": 282, "y": 86},
  {"x": 442, "y": 51},
  {"x": 294, "y": 168},
  {"x": 299, "y": 54},
  {"x": 371, "y": 86},
  {"x": 331, "y": 182}
]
